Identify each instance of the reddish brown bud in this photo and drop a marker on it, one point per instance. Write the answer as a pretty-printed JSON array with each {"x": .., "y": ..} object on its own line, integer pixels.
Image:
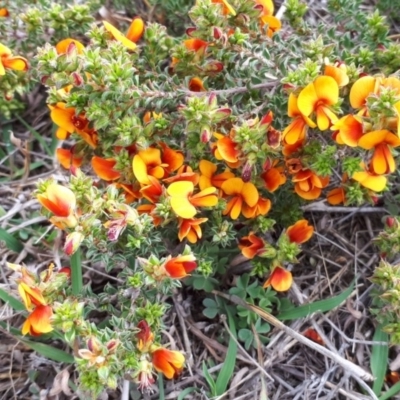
[
  {"x": 390, "y": 221},
  {"x": 190, "y": 30},
  {"x": 217, "y": 33},
  {"x": 78, "y": 80},
  {"x": 267, "y": 164},
  {"x": 267, "y": 118},
  {"x": 246, "y": 172}
]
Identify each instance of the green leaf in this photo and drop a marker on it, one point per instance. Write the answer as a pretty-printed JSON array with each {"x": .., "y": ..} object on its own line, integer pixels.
[
  {"x": 76, "y": 273},
  {"x": 391, "y": 392},
  {"x": 209, "y": 379},
  {"x": 12, "y": 301},
  {"x": 321, "y": 305},
  {"x": 379, "y": 359},
  {"x": 187, "y": 391},
  {"x": 11, "y": 242},
  {"x": 228, "y": 368},
  {"x": 49, "y": 351}
]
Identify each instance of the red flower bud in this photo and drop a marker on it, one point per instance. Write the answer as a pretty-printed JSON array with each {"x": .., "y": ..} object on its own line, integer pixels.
[
  {"x": 205, "y": 135},
  {"x": 267, "y": 164},
  {"x": 190, "y": 30},
  {"x": 246, "y": 172},
  {"x": 217, "y": 33},
  {"x": 390, "y": 221},
  {"x": 78, "y": 80},
  {"x": 267, "y": 118}
]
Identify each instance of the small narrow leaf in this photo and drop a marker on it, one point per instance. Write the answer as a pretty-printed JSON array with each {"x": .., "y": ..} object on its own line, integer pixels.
[
  {"x": 49, "y": 351},
  {"x": 379, "y": 359},
  {"x": 11, "y": 242},
  {"x": 228, "y": 368},
  {"x": 12, "y": 301},
  {"x": 391, "y": 392},
  {"x": 321, "y": 305}
]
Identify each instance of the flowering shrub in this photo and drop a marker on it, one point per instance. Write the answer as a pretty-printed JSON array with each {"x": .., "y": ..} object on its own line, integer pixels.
[{"x": 176, "y": 146}]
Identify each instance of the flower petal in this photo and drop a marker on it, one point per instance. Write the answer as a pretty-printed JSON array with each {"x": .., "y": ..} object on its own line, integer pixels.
[
  {"x": 135, "y": 30},
  {"x": 360, "y": 90}
]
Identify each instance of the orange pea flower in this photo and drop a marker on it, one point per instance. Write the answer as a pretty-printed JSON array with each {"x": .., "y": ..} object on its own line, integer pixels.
[
  {"x": 67, "y": 45},
  {"x": 135, "y": 32},
  {"x": 68, "y": 123},
  {"x": 317, "y": 97},
  {"x": 190, "y": 229},
  {"x": 267, "y": 17},
  {"x": 179, "y": 267},
  {"x": 361, "y": 89},
  {"x": 338, "y": 72},
  {"x": 370, "y": 180},
  {"x": 348, "y": 130},
  {"x": 280, "y": 279},
  {"x": 262, "y": 207},
  {"x": 197, "y": 45},
  {"x": 382, "y": 161},
  {"x": 297, "y": 129},
  {"x": 251, "y": 245},
  {"x": 336, "y": 196},
  {"x": 196, "y": 85},
  {"x": 67, "y": 158},
  {"x": 209, "y": 178},
  {"x": 241, "y": 193},
  {"x": 145, "y": 337},
  {"x": 38, "y": 321},
  {"x": 309, "y": 185},
  {"x": 226, "y": 7},
  {"x": 300, "y": 232},
  {"x": 104, "y": 168},
  {"x": 226, "y": 149},
  {"x": 169, "y": 362},
  {"x": 8, "y": 61},
  {"x": 31, "y": 295},
  {"x": 58, "y": 199},
  {"x": 273, "y": 179},
  {"x": 153, "y": 191},
  {"x": 184, "y": 202},
  {"x": 151, "y": 162}
]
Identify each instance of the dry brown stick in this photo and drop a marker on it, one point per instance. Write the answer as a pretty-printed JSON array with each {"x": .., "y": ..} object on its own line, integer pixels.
[{"x": 346, "y": 364}]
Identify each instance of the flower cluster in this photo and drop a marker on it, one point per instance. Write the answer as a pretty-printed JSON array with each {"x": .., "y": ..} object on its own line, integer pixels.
[
  {"x": 38, "y": 294},
  {"x": 288, "y": 246}
]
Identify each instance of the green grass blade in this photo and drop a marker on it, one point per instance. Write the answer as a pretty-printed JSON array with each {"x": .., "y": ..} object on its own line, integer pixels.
[
  {"x": 379, "y": 359},
  {"x": 209, "y": 379},
  {"x": 321, "y": 305},
  {"x": 42, "y": 348},
  {"x": 185, "y": 392},
  {"x": 76, "y": 273},
  {"x": 13, "y": 331},
  {"x": 11, "y": 242},
  {"x": 391, "y": 392},
  {"x": 228, "y": 368},
  {"x": 12, "y": 301},
  {"x": 49, "y": 351}
]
